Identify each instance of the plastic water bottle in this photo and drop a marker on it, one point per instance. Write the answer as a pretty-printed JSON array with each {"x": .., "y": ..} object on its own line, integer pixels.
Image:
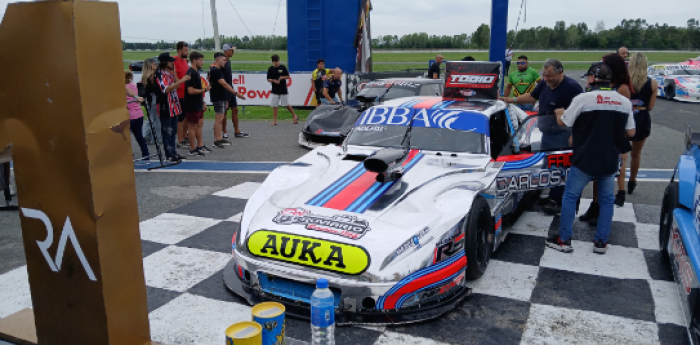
[{"x": 322, "y": 315}]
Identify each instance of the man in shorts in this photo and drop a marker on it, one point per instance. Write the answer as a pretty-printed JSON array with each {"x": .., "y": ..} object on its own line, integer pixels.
[
  {"x": 219, "y": 97},
  {"x": 181, "y": 68},
  {"x": 195, "y": 106},
  {"x": 318, "y": 77},
  {"x": 278, "y": 75},
  {"x": 229, "y": 50},
  {"x": 331, "y": 88}
]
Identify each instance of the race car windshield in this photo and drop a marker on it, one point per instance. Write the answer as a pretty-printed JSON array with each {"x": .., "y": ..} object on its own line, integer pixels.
[
  {"x": 421, "y": 138},
  {"x": 372, "y": 91},
  {"x": 685, "y": 71},
  {"x": 447, "y": 140}
]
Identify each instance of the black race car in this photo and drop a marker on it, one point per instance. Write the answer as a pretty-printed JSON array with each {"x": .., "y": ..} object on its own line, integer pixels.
[{"x": 330, "y": 124}]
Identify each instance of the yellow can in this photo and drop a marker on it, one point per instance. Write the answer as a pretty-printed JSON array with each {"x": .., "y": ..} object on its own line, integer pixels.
[
  {"x": 244, "y": 333},
  {"x": 270, "y": 315}
]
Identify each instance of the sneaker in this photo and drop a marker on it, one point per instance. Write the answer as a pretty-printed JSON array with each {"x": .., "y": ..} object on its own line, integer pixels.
[
  {"x": 182, "y": 145},
  {"x": 225, "y": 142},
  {"x": 551, "y": 207},
  {"x": 556, "y": 243},
  {"x": 186, "y": 141},
  {"x": 175, "y": 158},
  {"x": 218, "y": 145},
  {"x": 181, "y": 157},
  {"x": 631, "y": 186},
  {"x": 591, "y": 216},
  {"x": 225, "y": 135},
  {"x": 241, "y": 135},
  {"x": 195, "y": 153},
  {"x": 600, "y": 247},
  {"x": 620, "y": 198},
  {"x": 204, "y": 148}
]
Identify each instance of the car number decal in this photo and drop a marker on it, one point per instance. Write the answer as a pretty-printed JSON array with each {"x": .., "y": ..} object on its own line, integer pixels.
[{"x": 309, "y": 251}]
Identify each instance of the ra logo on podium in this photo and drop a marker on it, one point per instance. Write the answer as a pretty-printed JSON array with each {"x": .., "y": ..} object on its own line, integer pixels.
[{"x": 68, "y": 233}]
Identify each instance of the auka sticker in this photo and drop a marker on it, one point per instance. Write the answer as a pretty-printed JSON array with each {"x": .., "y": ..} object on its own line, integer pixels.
[
  {"x": 346, "y": 226},
  {"x": 309, "y": 251}
]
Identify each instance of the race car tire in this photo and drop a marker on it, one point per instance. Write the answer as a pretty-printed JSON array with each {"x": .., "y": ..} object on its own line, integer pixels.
[
  {"x": 670, "y": 91},
  {"x": 670, "y": 203},
  {"x": 478, "y": 236}
]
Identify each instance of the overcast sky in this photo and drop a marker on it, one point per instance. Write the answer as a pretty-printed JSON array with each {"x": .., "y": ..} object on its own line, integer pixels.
[{"x": 173, "y": 20}]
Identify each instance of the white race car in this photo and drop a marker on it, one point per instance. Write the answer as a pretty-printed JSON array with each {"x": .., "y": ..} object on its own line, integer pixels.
[
  {"x": 679, "y": 82},
  {"x": 406, "y": 211}
]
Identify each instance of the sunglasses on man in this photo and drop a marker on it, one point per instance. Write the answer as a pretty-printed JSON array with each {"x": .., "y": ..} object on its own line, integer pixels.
[{"x": 520, "y": 63}]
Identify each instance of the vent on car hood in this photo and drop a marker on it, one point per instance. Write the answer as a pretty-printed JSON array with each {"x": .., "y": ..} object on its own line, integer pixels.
[{"x": 356, "y": 158}]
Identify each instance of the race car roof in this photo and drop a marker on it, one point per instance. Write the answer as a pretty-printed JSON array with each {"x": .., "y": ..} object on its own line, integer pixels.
[{"x": 458, "y": 119}]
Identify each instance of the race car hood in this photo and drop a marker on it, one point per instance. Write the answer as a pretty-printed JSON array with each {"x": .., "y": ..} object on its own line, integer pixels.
[{"x": 328, "y": 195}]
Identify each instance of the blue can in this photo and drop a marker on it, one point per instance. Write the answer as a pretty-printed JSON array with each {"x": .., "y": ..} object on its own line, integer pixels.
[{"x": 270, "y": 315}]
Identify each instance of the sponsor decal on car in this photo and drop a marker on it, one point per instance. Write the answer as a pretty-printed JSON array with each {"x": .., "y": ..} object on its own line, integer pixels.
[
  {"x": 449, "y": 245},
  {"x": 532, "y": 180},
  {"x": 681, "y": 262},
  {"x": 370, "y": 128},
  {"x": 389, "y": 83},
  {"x": 561, "y": 160},
  {"x": 471, "y": 81},
  {"x": 309, "y": 251},
  {"x": 346, "y": 226}
]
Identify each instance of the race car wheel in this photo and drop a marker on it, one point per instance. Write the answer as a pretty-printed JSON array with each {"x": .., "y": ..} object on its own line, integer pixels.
[
  {"x": 669, "y": 204},
  {"x": 670, "y": 91},
  {"x": 478, "y": 230}
]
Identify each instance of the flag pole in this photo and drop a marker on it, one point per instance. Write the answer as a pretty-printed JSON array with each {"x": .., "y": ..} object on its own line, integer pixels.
[{"x": 215, "y": 22}]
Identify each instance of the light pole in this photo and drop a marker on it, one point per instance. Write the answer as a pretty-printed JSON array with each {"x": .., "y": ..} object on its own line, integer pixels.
[{"x": 215, "y": 22}]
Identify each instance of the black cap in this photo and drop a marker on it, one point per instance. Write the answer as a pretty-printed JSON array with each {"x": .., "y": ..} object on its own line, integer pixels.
[
  {"x": 165, "y": 57},
  {"x": 600, "y": 71},
  {"x": 217, "y": 54}
]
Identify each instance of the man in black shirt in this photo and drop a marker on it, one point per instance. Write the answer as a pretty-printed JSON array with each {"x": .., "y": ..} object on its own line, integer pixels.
[
  {"x": 219, "y": 97},
  {"x": 229, "y": 50},
  {"x": 601, "y": 120},
  {"x": 555, "y": 91},
  {"x": 195, "y": 106},
  {"x": 277, "y": 75},
  {"x": 434, "y": 71}
]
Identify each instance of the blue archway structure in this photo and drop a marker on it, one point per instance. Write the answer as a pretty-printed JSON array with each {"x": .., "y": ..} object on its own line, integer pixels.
[{"x": 327, "y": 28}]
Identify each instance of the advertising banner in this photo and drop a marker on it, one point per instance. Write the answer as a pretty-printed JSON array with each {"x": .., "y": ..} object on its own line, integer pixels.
[
  {"x": 466, "y": 79},
  {"x": 257, "y": 89}
]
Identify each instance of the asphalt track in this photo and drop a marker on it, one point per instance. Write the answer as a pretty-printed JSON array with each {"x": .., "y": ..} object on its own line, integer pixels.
[{"x": 268, "y": 146}]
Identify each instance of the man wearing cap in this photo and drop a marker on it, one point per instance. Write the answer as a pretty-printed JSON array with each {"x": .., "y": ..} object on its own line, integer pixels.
[
  {"x": 601, "y": 120},
  {"x": 169, "y": 108},
  {"x": 556, "y": 91},
  {"x": 219, "y": 96},
  {"x": 229, "y": 50}
]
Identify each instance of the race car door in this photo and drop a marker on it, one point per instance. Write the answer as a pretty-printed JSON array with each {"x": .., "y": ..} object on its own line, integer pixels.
[{"x": 538, "y": 156}]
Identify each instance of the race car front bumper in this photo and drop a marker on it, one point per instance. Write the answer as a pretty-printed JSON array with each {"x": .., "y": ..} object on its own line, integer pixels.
[
  {"x": 685, "y": 95},
  {"x": 246, "y": 284}
]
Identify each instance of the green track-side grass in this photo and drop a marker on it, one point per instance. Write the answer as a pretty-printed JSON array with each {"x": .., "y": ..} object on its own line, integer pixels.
[{"x": 260, "y": 113}]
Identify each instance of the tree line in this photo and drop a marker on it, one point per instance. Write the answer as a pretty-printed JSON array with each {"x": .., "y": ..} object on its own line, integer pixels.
[
  {"x": 256, "y": 42},
  {"x": 632, "y": 33}
]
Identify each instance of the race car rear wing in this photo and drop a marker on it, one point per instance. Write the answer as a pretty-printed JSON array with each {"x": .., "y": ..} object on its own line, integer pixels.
[{"x": 470, "y": 79}]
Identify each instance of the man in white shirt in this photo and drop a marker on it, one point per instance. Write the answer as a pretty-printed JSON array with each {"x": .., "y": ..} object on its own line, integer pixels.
[{"x": 509, "y": 57}]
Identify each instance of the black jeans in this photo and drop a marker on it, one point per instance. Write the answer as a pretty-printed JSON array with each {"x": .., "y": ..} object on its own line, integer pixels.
[
  {"x": 168, "y": 127},
  {"x": 137, "y": 130}
]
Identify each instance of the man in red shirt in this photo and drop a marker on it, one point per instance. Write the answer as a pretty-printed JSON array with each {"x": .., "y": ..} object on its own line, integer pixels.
[{"x": 181, "y": 67}]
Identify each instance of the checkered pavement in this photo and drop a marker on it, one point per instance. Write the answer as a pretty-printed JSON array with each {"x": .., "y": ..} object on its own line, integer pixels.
[{"x": 529, "y": 294}]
